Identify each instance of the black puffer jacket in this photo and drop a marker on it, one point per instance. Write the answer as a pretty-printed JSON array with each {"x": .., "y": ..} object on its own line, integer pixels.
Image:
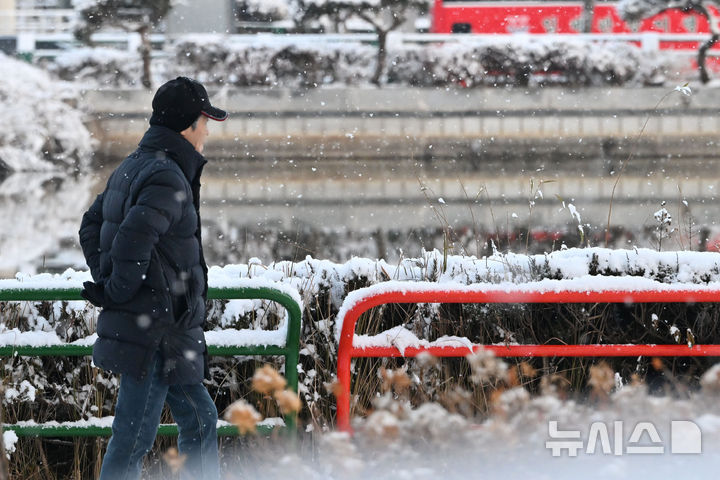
[{"x": 141, "y": 239}]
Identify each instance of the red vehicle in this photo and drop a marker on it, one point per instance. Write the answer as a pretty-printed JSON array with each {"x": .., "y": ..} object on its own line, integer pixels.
[{"x": 518, "y": 16}]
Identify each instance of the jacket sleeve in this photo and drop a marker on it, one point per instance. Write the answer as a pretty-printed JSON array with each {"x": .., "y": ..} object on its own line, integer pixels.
[
  {"x": 158, "y": 206},
  {"x": 90, "y": 236}
]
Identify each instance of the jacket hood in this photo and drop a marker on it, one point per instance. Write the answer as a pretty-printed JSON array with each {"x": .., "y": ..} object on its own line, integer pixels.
[{"x": 160, "y": 138}]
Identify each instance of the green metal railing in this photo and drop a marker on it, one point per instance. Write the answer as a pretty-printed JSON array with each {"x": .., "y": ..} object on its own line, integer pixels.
[{"x": 291, "y": 352}]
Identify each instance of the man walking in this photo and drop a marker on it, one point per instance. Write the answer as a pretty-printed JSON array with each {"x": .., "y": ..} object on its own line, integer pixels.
[{"x": 141, "y": 240}]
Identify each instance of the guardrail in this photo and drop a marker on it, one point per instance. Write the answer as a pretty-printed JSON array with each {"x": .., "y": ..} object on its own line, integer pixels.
[
  {"x": 610, "y": 290},
  {"x": 46, "y": 44},
  {"x": 290, "y": 350},
  {"x": 649, "y": 41}
]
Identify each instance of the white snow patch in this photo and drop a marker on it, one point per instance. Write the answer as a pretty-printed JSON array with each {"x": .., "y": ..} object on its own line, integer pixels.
[{"x": 49, "y": 134}]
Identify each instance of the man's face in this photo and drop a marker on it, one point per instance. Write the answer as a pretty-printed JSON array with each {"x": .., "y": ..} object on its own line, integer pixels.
[{"x": 197, "y": 136}]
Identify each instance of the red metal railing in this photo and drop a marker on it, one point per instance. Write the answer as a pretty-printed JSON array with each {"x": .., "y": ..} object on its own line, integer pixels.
[{"x": 362, "y": 300}]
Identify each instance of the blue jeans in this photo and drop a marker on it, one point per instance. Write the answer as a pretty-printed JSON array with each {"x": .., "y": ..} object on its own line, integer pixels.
[{"x": 137, "y": 416}]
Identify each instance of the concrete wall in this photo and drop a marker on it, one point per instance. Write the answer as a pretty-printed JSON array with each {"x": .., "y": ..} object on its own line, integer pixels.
[{"x": 492, "y": 124}]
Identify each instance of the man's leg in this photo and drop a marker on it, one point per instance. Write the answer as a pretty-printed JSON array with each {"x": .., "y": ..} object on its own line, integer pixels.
[
  {"x": 137, "y": 416},
  {"x": 194, "y": 411}
]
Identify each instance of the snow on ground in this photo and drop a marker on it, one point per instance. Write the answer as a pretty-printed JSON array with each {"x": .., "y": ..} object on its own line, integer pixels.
[{"x": 628, "y": 435}]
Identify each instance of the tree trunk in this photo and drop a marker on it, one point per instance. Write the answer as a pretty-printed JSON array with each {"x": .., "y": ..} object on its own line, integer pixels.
[
  {"x": 587, "y": 15},
  {"x": 702, "y": 56},
  {"x": 381, "y": 55},
  {"x": 145, "y": 50}
]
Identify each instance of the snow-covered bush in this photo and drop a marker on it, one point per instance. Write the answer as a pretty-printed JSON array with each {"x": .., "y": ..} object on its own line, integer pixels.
[
  {"x": 274, "y": 62},
  {"x": 520, "y": 62},
  {"x": 137, "y": 16},
  {"x": 636, "y": 11},
  {"x": 42, "y": 130},
  {"x": 262, "y": 10},
  {"x": 104, "y": 67},
  {"x": 301, "y": 65}
]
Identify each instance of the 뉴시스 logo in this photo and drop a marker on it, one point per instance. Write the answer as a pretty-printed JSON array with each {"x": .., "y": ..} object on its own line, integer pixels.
[{"x": 643, "y": 439}]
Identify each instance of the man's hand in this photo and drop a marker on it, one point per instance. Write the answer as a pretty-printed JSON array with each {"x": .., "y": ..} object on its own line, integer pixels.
[{"x": 93, "y": 293}]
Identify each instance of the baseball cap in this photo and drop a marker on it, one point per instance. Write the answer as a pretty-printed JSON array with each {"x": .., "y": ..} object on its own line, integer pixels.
[{"x": 179, "y": 102}]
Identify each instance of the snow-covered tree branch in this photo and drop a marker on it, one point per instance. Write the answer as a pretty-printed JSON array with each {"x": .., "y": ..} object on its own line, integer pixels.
[
  {"x": 637, "y": 10},
  {"x": 129, "y": 15},
  {"x": 383, "y": 16}
]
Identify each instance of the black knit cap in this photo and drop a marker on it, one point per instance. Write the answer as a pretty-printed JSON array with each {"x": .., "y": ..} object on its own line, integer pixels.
[{"x": 178, "y": 103}]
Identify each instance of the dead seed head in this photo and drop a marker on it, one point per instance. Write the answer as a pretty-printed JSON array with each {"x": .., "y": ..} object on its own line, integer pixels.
[
  {"x": 508, "y": 402},
  {"x": 555, "y": 384},
  {"x": 527, "y": 370},
  {"x": 602, "y": 378},
  {"x": 519, "y": 373},
  {"x": 174, "y": 460},
  {"x": 425, "y": 359},
  {"x": 513, "y": 377},
  {"x": 394, "y": 379},
  {"x": 486, "y": 367},
  {"x": 267, "y": 380},
  {"x": 657, "y": 364},
  {"x": 334, "y": 388},
  {"x": 710, "y": 381},
  {"x": 382, "y": 425},
  {"x": 495, "y": 396},
  {"x": 243, "y": 415},
  {"x": 288, "y": 401},
  {"x": 458, "y": 400}
]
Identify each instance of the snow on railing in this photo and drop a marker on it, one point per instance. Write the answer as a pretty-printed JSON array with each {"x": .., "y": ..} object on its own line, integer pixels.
[
  {"x": 399, "y": 342},
  {"x": 102, "y": 427}
]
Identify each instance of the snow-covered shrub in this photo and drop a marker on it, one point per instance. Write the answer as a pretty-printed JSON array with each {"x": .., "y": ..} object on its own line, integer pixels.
[
  {"x": 302, "y": 65},
  {"x": 276, "y": 62},
  {"x": 614, "y": 63},
  {"x": 262, "y": 10},
  {"x": 42, "y": 130},
  {"x": 517, "y": 62},
  {"x": 99, "y": 67},
  {"x": 10, "y": 438}
]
